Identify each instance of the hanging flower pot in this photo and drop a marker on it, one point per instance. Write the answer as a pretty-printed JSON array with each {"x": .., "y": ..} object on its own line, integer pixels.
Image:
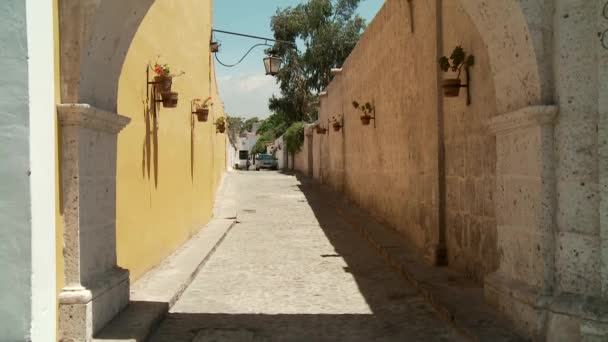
[
  {"x": 215, "y": 46},
  {"x": 170, "y": 99},
  {"x": 321, "y": 130},
  {"x": 163, "y": 79},
  {"x": 163, "y": 83},
  {"x": 202, "y": 114},
  {"x": 366, "y": 109},
  {"x": 220, "y": 125},
  {"x": 201, "y": 108},
  {"x": 457, "y": 62},
  {"x": 365, "y": 120},
  {"x": 451, "y": 87},
  {"x": 336, "y": 124}
]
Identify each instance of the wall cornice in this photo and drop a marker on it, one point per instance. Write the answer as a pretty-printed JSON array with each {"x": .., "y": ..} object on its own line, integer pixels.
[
  {"x": 525, "y": 117},
  {"x": 87, "y": 116}
]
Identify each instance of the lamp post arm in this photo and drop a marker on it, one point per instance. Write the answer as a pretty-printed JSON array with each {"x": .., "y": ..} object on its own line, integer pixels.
[{"x": 254, "y": 37}]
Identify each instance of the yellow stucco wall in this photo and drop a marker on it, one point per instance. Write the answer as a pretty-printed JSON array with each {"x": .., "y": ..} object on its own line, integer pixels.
[
  {"x": 58, "y": 213},
  {"x": 169, "y": 165}
]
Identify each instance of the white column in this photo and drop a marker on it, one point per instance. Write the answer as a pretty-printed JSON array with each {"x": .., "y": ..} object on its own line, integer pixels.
[
  {"x": 96, "y": 289},
  {"x": 42, "y": 139}
]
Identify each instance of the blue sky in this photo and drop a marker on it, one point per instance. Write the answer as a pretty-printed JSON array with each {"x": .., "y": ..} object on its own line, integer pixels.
[{"x": 245, "y": 89}]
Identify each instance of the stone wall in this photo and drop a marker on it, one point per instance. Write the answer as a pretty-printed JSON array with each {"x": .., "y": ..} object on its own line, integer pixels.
[
  {"x": 470, "y": 155},
  {"x": 391, "y": 167},
  {"x": 513, "y": 187},
  {"x": 303, "y": 161}
]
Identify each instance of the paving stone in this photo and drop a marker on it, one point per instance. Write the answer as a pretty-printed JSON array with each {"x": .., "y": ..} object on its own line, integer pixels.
[{"x": 293, "y": 270}]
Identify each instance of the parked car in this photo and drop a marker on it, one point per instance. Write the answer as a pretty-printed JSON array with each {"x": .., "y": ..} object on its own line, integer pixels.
[{"x": 266, "y": 161}]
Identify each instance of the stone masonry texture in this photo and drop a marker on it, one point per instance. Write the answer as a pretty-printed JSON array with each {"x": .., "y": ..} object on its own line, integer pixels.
[{"x": 292, "y": 270}]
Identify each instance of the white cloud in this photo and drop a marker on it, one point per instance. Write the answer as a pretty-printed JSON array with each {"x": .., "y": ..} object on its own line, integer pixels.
[{"x": 247, "y": 95}]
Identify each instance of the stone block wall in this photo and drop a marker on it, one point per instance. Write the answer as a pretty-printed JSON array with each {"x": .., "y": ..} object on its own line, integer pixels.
[
  {"x": 470, "y": 157},
  {"x": 391, "y": 168}
]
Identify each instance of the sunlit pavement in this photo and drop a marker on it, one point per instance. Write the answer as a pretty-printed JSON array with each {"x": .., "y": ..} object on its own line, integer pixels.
[{"x": 293, "y": 270}]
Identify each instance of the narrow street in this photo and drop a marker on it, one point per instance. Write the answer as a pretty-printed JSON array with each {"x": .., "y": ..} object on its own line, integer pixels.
[{"x": 292, "y": 270}]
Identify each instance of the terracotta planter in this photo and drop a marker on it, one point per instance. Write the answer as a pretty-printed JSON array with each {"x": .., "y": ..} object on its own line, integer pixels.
[
  {"x": 202, "y": 114},
  {"x": 163, "y": 83},
  {"x": 221, "y": 129},
  {"x": 365, "y": 119},
  {"x": 215, "y": 47},
  {"x": 451, "y": 87},
  {"x": 170, "y": 99},
  {"x": 336, "y": 126}
]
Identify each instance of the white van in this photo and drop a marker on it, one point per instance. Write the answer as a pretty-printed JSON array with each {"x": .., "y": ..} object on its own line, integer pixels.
[{"x": 243, "y": 160}]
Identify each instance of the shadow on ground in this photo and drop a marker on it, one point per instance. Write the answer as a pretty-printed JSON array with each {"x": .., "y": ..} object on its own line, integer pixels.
[{"x": 398, "y": 313}]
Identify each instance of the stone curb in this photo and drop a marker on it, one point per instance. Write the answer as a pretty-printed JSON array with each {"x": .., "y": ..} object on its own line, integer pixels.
[
  {"x": 455, "y": 298},
  {"x": 159, "y": 289}
]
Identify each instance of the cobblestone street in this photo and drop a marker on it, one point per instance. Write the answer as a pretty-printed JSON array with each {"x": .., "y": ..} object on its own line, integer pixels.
[{"x": 292, "y": 270}]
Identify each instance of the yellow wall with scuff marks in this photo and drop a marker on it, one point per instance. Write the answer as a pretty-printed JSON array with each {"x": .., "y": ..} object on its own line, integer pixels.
[
  {"x": 58, "y": 211},
  {"x": 169, "y": 165}
]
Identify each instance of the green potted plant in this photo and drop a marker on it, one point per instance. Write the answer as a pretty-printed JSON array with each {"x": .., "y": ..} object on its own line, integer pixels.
[
  {"x": 163, "y": 79},
  {"x": 201, "y": 109},
  {"x": 458, "y": 61},
  {"x": 336, "y": 124},
  {"x": 367, "y": 110},
  {"x": 220, "y": 124},
  {"x": 170, "y": 99}
]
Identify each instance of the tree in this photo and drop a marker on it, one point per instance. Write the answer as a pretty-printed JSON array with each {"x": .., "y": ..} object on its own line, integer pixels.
[
  {"x": 235, "y": 126},
  {"x": 248, "y": 124},
  {"x": 294, "y": 138},
  {"x": 329, "y": 30},
  {"x": 276, "y": 123},
  {"x": 263, "y": 141}
]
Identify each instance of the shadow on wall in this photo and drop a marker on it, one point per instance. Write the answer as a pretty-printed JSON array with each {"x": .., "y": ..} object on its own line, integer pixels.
[
  {"x": 150, "y": 141},
  {"x": 192, "y": 144},
  {"x": 115, "y": 26}
]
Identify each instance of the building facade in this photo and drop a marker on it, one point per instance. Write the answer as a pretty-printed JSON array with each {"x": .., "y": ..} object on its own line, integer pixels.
[
  {"x": 109, "y": 180},
  {"x": 508, "y": 188}
]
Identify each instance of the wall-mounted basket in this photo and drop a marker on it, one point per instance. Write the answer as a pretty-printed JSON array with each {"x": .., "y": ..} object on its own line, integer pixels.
[
  {"x": 163, "y": 83},
  {"x": 170, "y": 99},
  {"x": 214, "y": 46},
  {"x": 368, "y": 112},
  {"x": 220, "y": 125},
  {"x": 202, "y": 114},
  {"x": 337, "y": 124},
  {"x": 459, "y": 61},
  {"x": 201, "y": 109}
]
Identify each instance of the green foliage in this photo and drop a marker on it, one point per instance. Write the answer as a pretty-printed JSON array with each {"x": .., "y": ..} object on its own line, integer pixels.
[
  {"x": 458, "y": 60},
  {"x": 275, "y": 123},
  {"x": 248, "y": 124},
  {"x": 294, "y": 137},
  {"x": 235, "y": 126},
  {"x": 329, "y": 31},
  {"x": 263, "y": 141}
]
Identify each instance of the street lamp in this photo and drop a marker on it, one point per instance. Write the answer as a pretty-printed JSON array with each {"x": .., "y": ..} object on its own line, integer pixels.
[{"x": 272, "y": 64}]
